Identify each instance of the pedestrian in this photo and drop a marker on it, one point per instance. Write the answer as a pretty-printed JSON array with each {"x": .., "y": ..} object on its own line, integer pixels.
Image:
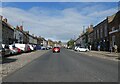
[
  {"x": 115, "y": 48},
  {"x": 111, "y": 49},
  {"x": 90, "y": 47},
  {"x": 98, "y": 47}
]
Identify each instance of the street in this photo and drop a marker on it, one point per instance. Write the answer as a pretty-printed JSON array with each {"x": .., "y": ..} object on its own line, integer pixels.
[{"x": 66, "y": 66}]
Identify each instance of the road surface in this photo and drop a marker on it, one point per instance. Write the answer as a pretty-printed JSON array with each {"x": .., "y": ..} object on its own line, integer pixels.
[{"x": 66, "y": 66}]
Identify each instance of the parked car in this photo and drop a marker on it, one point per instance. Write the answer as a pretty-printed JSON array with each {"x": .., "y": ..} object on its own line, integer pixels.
[
  {"x": 75, "y": 48},
  {"x": 49, "y": 47},
  {"x": 43, "y": 48},
  {"x": 69, "y": 47},
  {"x": 5, "y": 50},
  {"x": 14, "y": 49},
  {"x": 31, "y": 47},
  {"x": 83, "y": 49},
  {"x": 22, "y": 47},
  {"x": 56, "y": 49},
  {"x": 38, "y": 47},
  {"x": 0, "y": 50}
]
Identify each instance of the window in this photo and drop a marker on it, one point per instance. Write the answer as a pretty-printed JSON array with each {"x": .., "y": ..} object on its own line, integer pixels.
[
  {"x": 101, "y": 32},
  {"x": 97, "y": 33},
  {"x": 105, "y": 29}
]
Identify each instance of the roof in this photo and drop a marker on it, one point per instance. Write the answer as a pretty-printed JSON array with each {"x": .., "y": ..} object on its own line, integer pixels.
[
  {"x": 111, "y": 18},
  {"x": 9, "y": 26}
]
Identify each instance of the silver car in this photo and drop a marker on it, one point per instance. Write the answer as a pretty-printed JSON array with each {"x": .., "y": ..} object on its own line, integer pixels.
[{"x": 5, "y": 50}]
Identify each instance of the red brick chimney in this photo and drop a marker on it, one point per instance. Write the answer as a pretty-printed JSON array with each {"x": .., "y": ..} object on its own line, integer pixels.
[{"x": 21, "y": 28}]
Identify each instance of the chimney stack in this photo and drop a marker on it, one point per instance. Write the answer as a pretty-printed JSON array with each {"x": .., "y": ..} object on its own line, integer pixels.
[
  {"x": 91, "y": 26},
  {"x": 21, "y": 28},
  {"x": 17, "y": 27},
  {"x": 5, "y": 20}
]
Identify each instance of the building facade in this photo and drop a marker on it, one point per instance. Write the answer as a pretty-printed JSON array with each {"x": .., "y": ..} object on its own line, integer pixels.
[
  {"x": 50, "y": 43},
  {"x": 0, "y": 30},
  {"x": 20, "y": 35},
  {"x": 101, "y": 36},
  {"x": 91, "y": 39},
  {"x": 114, "y": 30},
  {"x": 7, "y": 32}
]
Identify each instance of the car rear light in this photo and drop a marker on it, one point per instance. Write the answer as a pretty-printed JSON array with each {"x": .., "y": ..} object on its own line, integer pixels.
[{"x": 19, "y": 51}]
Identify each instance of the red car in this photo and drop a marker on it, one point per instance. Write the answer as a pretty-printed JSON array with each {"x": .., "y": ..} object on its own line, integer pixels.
[{"x": 56, "y": 49}]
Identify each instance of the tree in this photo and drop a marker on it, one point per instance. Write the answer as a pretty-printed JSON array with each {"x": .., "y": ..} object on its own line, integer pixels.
[{"x": 70, "y": 43}]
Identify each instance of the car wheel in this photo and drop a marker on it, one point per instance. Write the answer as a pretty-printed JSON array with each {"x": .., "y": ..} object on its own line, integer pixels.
[{"x": 11, "y": 53}]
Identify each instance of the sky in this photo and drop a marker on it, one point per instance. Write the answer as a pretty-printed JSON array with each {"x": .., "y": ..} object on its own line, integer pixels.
[{"x": 57, "y": 20}]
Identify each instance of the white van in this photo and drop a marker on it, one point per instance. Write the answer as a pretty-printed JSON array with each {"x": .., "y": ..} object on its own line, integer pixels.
[{"x": 23, "y": 47}]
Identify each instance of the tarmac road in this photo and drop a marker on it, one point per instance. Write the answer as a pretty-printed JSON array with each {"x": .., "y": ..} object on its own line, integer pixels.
[{"x": 66, "y": 66}]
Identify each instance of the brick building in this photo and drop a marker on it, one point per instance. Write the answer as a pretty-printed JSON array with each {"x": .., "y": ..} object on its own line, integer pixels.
[
  {"x": 91, "y": 39},
  {"x": 114, "y": 30},
  {"x": 101, "y": 36}
]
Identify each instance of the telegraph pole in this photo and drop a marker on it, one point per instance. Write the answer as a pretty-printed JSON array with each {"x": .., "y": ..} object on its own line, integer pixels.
[
  {"x": 119, "y": 6},
  {"x": 83, "y": 29}
]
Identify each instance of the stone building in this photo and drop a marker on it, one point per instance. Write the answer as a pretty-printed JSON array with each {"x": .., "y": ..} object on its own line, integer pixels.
[
  {"x": 39, "y": 40},
  {"x": 50, "y": 42},
  {"x": 0, "y": 30},
  {"x": 20, "y": 35},
  {"x": 84, "y": 39},
  {"x": 7, "y": 32}
]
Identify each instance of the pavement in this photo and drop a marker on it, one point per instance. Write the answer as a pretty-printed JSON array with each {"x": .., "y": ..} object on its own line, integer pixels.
[
  {"x": 102, "y": 54},
  {"x": 110, "y": 54},
  {"x": 66, "y": 66},
  {"x": 13, "y": 63}
]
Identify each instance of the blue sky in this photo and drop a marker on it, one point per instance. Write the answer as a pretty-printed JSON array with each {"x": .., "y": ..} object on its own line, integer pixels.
[
  {"x": 57, "y": 20},
  {"x": 58, "y": 5}
]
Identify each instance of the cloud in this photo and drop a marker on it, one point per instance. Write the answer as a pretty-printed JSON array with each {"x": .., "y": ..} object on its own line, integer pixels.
[{"x": 56, "y": 24}]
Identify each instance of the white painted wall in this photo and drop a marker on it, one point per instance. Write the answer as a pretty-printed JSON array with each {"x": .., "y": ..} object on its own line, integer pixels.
[{"x": 18, "y": 35}]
